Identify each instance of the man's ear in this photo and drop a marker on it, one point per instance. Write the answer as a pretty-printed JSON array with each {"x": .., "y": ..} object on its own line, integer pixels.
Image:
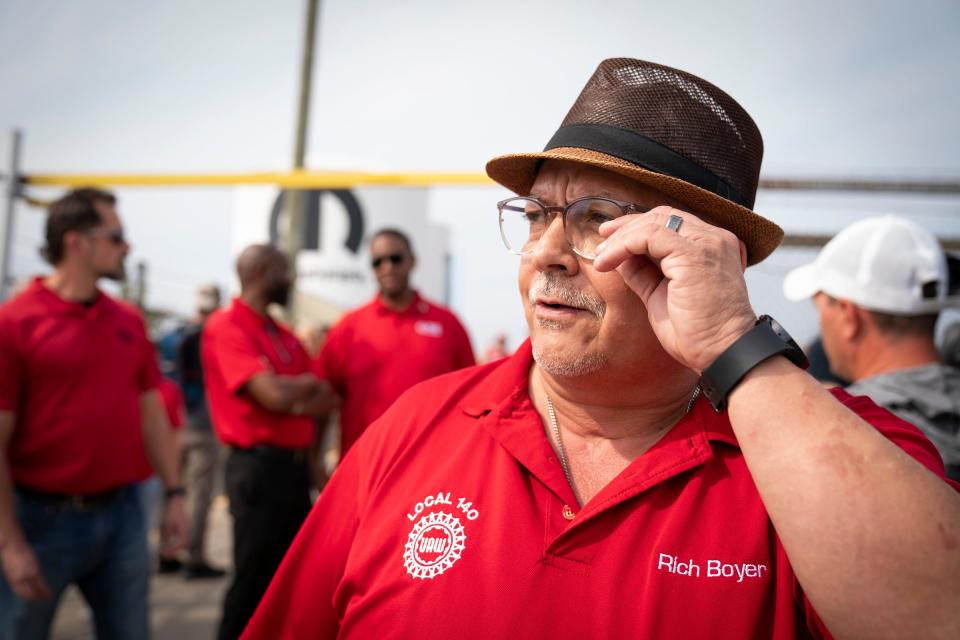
[
  {"x": 259, "y": 272},
  {"x": 853, "y": 320},
  {"x": 71, "y": 240},
  {"x": 743, "y": 256}
]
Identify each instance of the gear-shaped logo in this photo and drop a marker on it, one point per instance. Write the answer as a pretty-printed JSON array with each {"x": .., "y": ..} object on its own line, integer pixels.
[{"x": 436, "y": 542}]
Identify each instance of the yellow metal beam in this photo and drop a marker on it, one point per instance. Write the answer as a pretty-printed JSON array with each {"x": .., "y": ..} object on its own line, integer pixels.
[
  {"x": 287, "y": 180},
  {"x": 345, "y": 180}
]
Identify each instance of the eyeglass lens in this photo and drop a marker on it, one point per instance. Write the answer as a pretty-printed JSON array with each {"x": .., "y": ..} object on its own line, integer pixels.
[{"x": 523, "y": 221}]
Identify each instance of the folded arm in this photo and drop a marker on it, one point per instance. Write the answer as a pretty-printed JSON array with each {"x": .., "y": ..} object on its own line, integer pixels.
[{"x": 302, "y": 394}]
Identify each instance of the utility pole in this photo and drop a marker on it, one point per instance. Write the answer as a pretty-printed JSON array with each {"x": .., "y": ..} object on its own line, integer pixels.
[
  {"x": 295, "y": 198},
  {"x": 140, "y": 293},
  {"x": 6, "y": 224}
]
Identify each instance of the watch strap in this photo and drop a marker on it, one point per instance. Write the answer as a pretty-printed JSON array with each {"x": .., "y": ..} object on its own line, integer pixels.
[
  {"x": 172, "y": 492},
  {"x": 765, "y": 340}
]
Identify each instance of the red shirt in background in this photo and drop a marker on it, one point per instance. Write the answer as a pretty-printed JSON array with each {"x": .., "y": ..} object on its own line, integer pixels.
[
  {"x": 374, "y": 354},
  {"x": 237, "y": 344},
  {"x": 172, "y": 402},
  {"x": 452, "y": 518},
  {"x": 172, "y": 399},
  {"x": 73, "y": 375}
]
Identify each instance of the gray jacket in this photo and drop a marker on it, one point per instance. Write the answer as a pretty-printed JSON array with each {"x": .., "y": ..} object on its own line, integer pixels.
[{"x": 927, "y": 396}]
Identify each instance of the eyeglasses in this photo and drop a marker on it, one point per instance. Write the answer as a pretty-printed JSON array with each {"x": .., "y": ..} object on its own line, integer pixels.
[
  {"x": 113, "y": 236},
  {"x": 394, "y": 258},
  {"x": 524, "y": 220}
]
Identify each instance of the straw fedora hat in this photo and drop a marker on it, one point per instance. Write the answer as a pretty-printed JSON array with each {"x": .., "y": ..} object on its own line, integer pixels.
[{"x": 667, "y": 129}]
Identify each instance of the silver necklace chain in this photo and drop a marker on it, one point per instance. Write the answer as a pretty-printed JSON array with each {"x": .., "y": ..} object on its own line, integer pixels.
[
  {"x": 562, "y": 453},
  {"x": 556, "y": 436}
]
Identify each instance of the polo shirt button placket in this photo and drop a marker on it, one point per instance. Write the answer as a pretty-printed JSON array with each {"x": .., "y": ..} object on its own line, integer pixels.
[{"x": 568, "y": 513}]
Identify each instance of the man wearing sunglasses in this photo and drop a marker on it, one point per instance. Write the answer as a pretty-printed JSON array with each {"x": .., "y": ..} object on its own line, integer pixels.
[
  {"x": 654, "y": 462},
  {"x": 375, "y": 353},
  {"x": 81, "y": 423}
]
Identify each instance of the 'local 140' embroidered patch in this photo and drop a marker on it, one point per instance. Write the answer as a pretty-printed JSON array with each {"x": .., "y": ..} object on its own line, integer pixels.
[{"x": 437, "y": 539}]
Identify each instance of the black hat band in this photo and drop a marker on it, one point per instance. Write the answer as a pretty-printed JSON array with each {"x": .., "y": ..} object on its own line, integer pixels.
[{"x": 644, "y": 152}]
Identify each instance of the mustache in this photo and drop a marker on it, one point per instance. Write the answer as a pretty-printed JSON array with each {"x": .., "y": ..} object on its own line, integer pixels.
[{"x": 553, "y": 285}]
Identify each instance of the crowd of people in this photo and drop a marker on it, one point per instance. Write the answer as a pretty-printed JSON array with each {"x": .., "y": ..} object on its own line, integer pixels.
[
  {"x": 654, "y": 461},
  {"x": 90, "y": 426}
]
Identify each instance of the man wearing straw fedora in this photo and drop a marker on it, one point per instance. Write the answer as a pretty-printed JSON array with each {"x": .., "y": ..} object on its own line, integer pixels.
[{"x": 654, "y": 462}]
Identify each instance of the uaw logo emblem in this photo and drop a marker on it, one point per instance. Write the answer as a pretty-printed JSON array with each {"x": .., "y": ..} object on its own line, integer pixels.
[{"x": 437, "y": 540}]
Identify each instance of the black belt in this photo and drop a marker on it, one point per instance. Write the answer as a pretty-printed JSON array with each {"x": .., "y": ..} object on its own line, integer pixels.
[
  {"x": 269, "y": 451},
  {"x": 79, "y": 501}
]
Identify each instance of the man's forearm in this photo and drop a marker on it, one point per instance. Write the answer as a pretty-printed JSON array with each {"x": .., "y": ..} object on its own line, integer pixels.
[
  {"x": 294, "y": 389},
  {"x": 20, "y": 567},
  {"x": 871, "y": 534},
  {"x": 302, "y": 394},
  {"x": 10, "y": 530},
  {"x": 162, "y": 453},
  {"x": 159, "y": 441},
  {"x": 283, "y": 394}
]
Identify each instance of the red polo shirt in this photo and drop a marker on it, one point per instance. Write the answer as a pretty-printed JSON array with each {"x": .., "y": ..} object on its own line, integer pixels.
[
  {"x": 374, "y": 354},
  {"x": 73, "y": 375},
  {"x": 237, "y": 344},
  {"x": 172, "y": 399},
  {"x": 450, "y": 520}
]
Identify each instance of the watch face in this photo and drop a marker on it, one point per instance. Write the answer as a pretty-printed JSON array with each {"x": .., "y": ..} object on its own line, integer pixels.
[
  {"x": 796, "y": 354},
  {"x": 777, "y": 327}
]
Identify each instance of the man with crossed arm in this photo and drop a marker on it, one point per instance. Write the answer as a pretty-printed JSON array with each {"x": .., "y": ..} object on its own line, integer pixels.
[{"x": 264, "y": 403}]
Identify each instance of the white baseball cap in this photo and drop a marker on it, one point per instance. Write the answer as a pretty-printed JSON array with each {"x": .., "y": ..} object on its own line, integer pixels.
[{"x": 886, "y": 264}]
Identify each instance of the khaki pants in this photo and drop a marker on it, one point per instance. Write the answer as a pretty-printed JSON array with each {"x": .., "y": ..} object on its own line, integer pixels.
[{"x": 200, "y": 467}]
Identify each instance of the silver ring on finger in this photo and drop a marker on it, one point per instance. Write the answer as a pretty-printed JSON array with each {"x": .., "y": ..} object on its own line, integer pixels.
[{"x": 674, "y": 222}]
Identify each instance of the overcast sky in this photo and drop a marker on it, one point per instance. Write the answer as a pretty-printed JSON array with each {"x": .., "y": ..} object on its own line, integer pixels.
[{"x": 837, "y": 88}]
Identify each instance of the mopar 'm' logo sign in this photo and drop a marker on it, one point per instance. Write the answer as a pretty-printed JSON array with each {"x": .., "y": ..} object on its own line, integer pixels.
[{"x": 311, "y": 222}]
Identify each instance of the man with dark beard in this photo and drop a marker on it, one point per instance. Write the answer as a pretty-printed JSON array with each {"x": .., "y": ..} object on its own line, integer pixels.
[{"x": 263, "y": 402}]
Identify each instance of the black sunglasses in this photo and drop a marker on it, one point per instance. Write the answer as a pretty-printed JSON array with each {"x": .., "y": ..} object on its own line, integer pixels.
[
  {"x": 114, "y": 236},
  {"x": 394, "y": 258}
]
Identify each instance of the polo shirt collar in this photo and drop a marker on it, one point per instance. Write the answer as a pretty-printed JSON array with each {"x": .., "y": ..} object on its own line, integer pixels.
[
  {"x": 245, "y": 314},
  {"x": 716, "y": 427},
  {"x": 503, "y": 407},
  {"x": 511, "y": 377},
  {"x": 414, "y": 308},
  {"x": 55, "y": 304}
]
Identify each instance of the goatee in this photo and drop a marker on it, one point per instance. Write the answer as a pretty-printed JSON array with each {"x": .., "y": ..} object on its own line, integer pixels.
[{"x": 279, "y": 295}]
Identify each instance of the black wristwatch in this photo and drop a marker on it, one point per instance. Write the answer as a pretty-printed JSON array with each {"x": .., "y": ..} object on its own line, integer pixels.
[
  {"x": 173, "y": 492},
  {"x": 765, "y": 340}
]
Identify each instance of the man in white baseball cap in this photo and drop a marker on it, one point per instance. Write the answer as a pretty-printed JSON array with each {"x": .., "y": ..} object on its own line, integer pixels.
[{"x": 879, "y": 286}]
